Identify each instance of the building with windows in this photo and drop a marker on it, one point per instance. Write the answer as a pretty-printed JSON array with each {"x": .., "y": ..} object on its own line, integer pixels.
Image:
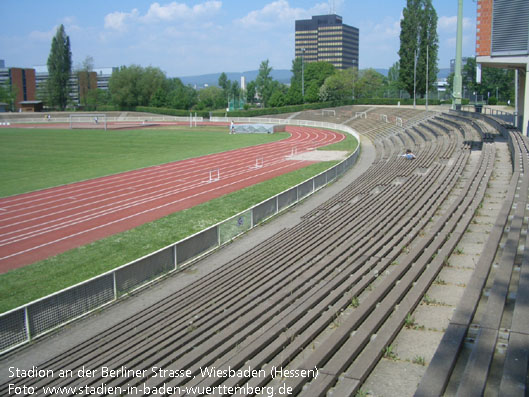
[
  {"x": 326, "y": 38},
  {"x": 22, "y": 83},
  {"x": 502, "y": 41},
  {"x": 79, "y": 83},
  {"x": 29, "y": 84}
]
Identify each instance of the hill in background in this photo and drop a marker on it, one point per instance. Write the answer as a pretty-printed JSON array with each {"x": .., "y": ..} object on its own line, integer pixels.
[{"x": 281, "y": 75}]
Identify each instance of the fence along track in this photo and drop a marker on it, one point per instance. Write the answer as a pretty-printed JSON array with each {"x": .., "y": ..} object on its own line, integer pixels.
[
  {"x": 264, "y": 309},
  {"x": 20, "y": 325}
]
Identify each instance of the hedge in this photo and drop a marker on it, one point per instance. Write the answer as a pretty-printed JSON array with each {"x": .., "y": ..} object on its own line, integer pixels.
[
  {"x": 171, "y": 112},
  {"x": 288, "y": 109}
]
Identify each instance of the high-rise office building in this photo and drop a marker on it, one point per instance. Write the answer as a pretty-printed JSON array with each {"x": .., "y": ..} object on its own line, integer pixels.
[{"x": 326, "y": 38}]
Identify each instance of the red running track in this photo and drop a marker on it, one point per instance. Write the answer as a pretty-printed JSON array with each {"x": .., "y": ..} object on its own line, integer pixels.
[{"x": 37, "y": 225}]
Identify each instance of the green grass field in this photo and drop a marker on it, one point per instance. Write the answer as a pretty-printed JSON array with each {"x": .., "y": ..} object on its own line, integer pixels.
[
  {"x": 61, "y": 271},
  {"x": 32, "y": 159}
]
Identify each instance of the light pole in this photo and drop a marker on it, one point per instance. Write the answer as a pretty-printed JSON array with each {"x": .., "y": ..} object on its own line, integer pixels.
[
  {"x": 354, "y": 62},
  {"x": 303, "y": 74},
  {"x": 458, "y": 79},
  {"x": 414, "y": 77},
  {"x": 427, "y": 73}
]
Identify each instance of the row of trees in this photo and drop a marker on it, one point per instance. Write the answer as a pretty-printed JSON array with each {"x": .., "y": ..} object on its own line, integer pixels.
[
  {"x": 132, "y": 86},
  {"x": 496, "y": 84},
  {"x": 419, "y": 43}
]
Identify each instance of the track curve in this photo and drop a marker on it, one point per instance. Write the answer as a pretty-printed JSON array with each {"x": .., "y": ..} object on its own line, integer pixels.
[{"x": 36, "y": 225}]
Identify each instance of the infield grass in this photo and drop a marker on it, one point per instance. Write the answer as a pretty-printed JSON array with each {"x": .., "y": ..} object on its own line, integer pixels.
[
  {"x": 31, "y": 282},
  {"x": 33, "y": 159}
]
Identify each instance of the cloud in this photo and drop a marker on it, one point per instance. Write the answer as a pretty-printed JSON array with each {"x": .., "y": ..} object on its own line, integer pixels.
[
  {"x": 47, "y": 36},
  {"x": 174, "y": 11},
  {"x": 449, "y": 24},
  {"x": 379, "y": 42},
  {"x": 279, "y": 12},
  {"x": 118, "y": 20},
  {"x": 381, "y": 32},
  {"x": 43, "y": 36}
]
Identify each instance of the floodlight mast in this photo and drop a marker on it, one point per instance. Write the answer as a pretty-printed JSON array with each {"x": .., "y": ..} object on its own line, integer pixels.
[
  {"x": 458, "y": 79},
  {"x": 414, "y": 77},
  {"x": 427, "y": 82},
  {"x": 303, "y": 74}
]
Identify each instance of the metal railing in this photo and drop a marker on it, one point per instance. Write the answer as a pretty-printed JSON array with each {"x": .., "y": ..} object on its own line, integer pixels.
[
  {"x": 25, "y": 323},
  {"x": 507, "y": 117}
]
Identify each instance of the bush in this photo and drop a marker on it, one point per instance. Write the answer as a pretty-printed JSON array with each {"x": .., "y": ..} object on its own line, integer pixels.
[
  {"x": 287, "y": 109},
  {"x": 282, "y": 109},
  {"x": 493, "y": 100}
]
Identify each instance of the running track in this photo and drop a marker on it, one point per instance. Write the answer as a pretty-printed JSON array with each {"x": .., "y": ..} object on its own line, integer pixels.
[{"x": 44, "y": 223}]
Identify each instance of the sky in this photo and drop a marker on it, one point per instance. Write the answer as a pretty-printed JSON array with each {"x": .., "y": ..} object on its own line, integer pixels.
[{"x": 193, "y": 37}]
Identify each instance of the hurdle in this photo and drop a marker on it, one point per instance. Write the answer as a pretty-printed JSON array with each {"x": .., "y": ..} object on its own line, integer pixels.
[
  {"x": 294, "y": 151},
  {"x": 259, "y": 162},
  {"x": 214, "y": 175}
]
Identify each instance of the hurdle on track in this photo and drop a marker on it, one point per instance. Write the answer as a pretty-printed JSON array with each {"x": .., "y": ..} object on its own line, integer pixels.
[
  {"x": 259, "y": 162},
  {"x": 214, "y": 175},
  {"x": 294, "y": 151}
]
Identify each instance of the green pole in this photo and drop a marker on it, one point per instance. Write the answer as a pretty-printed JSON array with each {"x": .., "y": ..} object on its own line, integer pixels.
[{"x": 458, "y": 80}]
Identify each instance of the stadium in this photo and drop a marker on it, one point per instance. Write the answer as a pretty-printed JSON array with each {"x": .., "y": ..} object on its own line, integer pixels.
[
  {"x": 340, "y": 282},
  {"x": 322, "y": 237}
]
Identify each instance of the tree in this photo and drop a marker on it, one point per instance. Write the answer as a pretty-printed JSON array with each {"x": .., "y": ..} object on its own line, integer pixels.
[
  {"x": 223, "y": 81},
  {"x": 83, "y": 76},
  {"x": 429, "y": 44},
  {"x": 123, "y": 86},
  {"x": 315, "y": 75},
  {"x": 493, "y": 80},
  {"x": 338, "y": 86},
  {"x": 371, "y": 84},
  {"x": 418, "y": 32},
  {"x": 180, "y": 96},
  {"x": 394, "y": 83},
  {"x": 136, "y": 86},
  {"x": 210, "y": 98},
  {"x": 97, "y": 97},
  {"x": 263, "y": 82},
  {"x": 250, "y": 92},
  {"x": 278, "y": 97},
  {"x": 294, "y": 94},
  {"x": 8, "y": 94},
  {"x": 59, "y": 68},
  {"x": 226, "y": 85}
]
